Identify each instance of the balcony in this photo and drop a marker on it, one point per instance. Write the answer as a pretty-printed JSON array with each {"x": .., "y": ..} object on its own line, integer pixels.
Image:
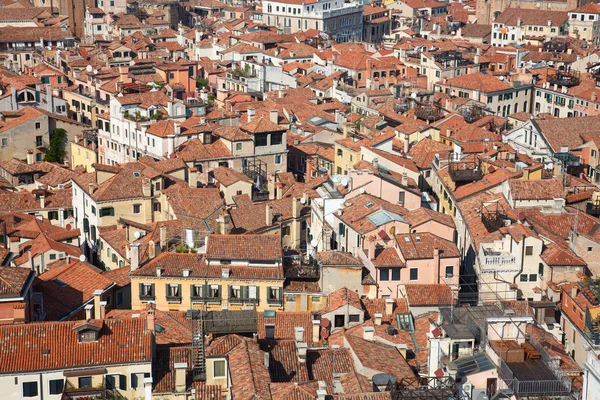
[
  {"x": 518, "y": 378},
  {"x": 466, "y": 169},
  {"x": 564, "y": 78},
  {"x": 72, "y": 391},
  {"x": 226, "y": 321},
  {"x": 497, "y": 261}
]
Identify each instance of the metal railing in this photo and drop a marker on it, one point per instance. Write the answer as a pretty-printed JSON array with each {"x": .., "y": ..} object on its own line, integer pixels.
[{"x": 499, "y": 260}]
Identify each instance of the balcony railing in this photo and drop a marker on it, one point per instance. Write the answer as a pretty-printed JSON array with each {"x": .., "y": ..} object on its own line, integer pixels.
[
  {"x": 542, "y": 387},
  {"x": 499, "y": 260}
]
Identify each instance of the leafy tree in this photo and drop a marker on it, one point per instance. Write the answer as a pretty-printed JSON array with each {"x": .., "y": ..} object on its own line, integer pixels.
[
  {"x": 58, "y": 142},
  {"x": 201, "y": 83}
]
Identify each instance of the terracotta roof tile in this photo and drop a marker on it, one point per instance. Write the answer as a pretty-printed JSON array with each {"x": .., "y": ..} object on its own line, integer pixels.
[
  {"x": 416, "y": 246},
  {"x": 244, "y": 247},
  {"x": 428, "y": 295},
  {"x": 546, "y": 189}
]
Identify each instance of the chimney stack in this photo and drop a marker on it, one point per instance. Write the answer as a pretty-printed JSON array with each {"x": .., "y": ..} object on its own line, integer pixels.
[
  {"x": 251, "y": 113},
  {"x": 103, "y": 309},
  {"x": 574, "y": 291},
  {"x": 274, "y": 116},
  {"x": 266, "y": 360},
  {"x": 295, "y": 207},
  {"x": 269, "y": 215},
  {"x": 88, "y": 311},
  {"x": 150, "y": 316},
  {"x": 406, "y": 143},
  {"x": 404, "y": 179},
  {"x": 151, "y": 249},
  {"x": 223, "y": 224},
  {"x": 177, "y": 128},
  {"x": 134, "y": 255},
  {"x": 389, "y": 307},
  {"x": 180, "y": 376},
  {"x": 299, "y": 334},
  {"x": 316, "y": 330},
  {"x": 369, "y": 333},
  {"x": 163, "y": 237},
  {"x": 378, "y": 318},
  {"x": 97, "y": 305},
  {"x": 302, "y": 349}
]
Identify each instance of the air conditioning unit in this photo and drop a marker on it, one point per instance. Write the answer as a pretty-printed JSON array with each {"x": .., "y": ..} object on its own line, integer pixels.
[
  {"x": 480, "y": 394},
  {"x": 62, "y": 256},
  {"x": 467, "y": 390}
]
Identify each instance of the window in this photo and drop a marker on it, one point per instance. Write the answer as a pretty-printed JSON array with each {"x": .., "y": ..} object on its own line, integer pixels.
[
  {"x": 56, "y": 386},
  {"x": 137, "y": 208},
  {"x": 30, "y": 389},
  {"x": 93, "y": 210},
  {"x": 146, "y": 291},
  {"x": 39, "y": 141},
  {"x": 449, "y": 271},
  {"x": 414, "y": 274},
  {"x": 38, "y": 125},
  {"x": 276, "y": 139},
  {"x": 341, "y": 228},
  {"x": 52, "y": 256},
  {"x": 354, "y": 318},
  {"x": 215, "y": 292},
  {"x": 173, "y": 292},
  {"x": 532, "y": 277},
  {"x": 156, "y": 207},
  {"x": 395, "y": 274},
  {"x": 274, "y": 294},
  {"x": 111, "y": 381},
  {"x": 590, "y": 249},
  {"x": 315, "y": 299},
  {"x": 528, "y": 250},
  {"x": 541, "y": 269},
  {"x": 235, "y": 293},
  {"x": 85, "y": 382},
  {"x": 219, "y": 369},
  {"x": 4, "y": 142},
  {"x": 523, "y": 278},
  {"x": 238, "y": 146},
  {"x": 401, "y": 197},
  {"x": 277, "y": 159},
  {"x": 107, "y": 211},
  {"x": 384, "y": 274}
]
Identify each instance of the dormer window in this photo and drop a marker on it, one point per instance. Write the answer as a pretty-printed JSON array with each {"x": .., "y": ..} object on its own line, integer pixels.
[{"x": 88, "y": 331}]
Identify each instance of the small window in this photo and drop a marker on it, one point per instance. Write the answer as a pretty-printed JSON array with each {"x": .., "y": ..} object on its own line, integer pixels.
[
  {"x": 395, "y": 274},
  {"x": 53, "y": 256},
  {"x": 30, "y": 389},
  {"x": 238, "y": 146},
  {"x": 384, "y": 274},
  {"x": 532, "y": 277},
  {"x": 523, "y": 278},
  {"x": 85, "y": 382},
  {"x": 315, "y": 299},
  {"x": 414, "y": 274},
  {"x": 38, "y": 125},
  {"x": 590, "y": 249},
  {"x": 219, "y": 369},
  {"x": 449, "y": 271},
  {"x": 528, "y": 250},
  {"x": 137, "y": 208},
  {"x": 354, "y": 318},
  {"x": 4, "y": 142},
  {"x": 56, "y": 386}
]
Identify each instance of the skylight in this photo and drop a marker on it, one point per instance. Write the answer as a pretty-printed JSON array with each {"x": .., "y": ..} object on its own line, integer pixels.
[
  {"x": 136, "y": 174},
  {"x": 369, "y": 204}
]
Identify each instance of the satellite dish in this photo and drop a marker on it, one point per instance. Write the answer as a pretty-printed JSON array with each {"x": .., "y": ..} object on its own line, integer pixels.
[
  {"x": 324, "y": 333},
  {"x": 82, "y": 258},
  {"x": 137, "y": 234},
  {"x": 68, "y": 227},
  {"x": 314, "y": 243},
  {"x": 413, "y": 95},
  {"x": 325, "y": 323},
  {"x": 95, "y": 71},
  {"x": 88, "y": 68},
  {"x": 303, "y": 200},
  {"x": 362, "y": 190}
]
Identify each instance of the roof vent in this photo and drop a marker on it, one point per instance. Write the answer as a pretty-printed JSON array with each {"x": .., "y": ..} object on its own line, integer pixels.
[{"x": 417, "y": 238}]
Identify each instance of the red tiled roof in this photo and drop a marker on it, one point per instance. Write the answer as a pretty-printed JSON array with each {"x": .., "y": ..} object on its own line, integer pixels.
[
  {"x": 13, "y": 280},
  {"x": 416, "y": 246},
  {"x": 546, "y": 189},
  {"x": 123, "y": 341},
  {"x": 428, "y": 295},
  {"x": 244, "y": 247}
]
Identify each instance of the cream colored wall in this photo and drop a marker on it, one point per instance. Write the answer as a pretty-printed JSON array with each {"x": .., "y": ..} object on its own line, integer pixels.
[
  {"x": 334, "y": 278},
  {"x": 82, "y": 156},
  {"x": 12, "y": 385},
  {"x": 163, "y": 305},
  {"x": 230, "y": 191}
]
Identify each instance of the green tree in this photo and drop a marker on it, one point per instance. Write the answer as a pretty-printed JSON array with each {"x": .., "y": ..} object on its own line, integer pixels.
[
  {"x": 58, "y": 141},
  {"x": 201, "y": 83}
]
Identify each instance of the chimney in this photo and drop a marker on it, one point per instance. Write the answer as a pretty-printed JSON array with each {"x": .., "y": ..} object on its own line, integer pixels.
[
  {"x": 151, "y": 249},
  {"x": 436, "y": 262},
  {"x": 30, "y": 157},
  {"x": 295, "y": 207},
  {"x": 97, "y": 301},
  {"x": 223, "y": 223},
  {"x": 269, "y": 215},
  {"x": 337, "y": 383},
  {"x": 594, "y": 97},
  {"x": 198, "y": 35},
  {"x": 404, "y": 179},
  {"x": 251, "y": 113},
  {"x": 146, "y": 187},
  {"x": 177, "y": 128},
  {"x": 150, "y": 316},
  {"x": 302, "y": 349},
  {"x": 42, "y": 201},
  {"x": 389, "y": 307},
  {"x": 574, "y": 291},
  {"x": 369, "y": 333},
  {"x": 180, "y": 376},
  {"x": 134, "y": 256},
  {"x": 406, "y": 143},
  {"x": 88, "y": 311},
  {"x": 266, "y": 359},
  {"x": 321, "y": 394},
  {"x": 371, "y": 242},
  {"x": 375, "y": 163},
  {"x": 148, "y": 388},
  {"x": 378, "y": 318},
  {"x": 402, "y": 348},
  {"x": 163, "y": 237},
  {"x": 316, "y": 330},
  {"x": 299, "y": 334},
  {"x": 103, "y": 309},
  {"x": 273, "y": 115},
  {"x": 49, "y": 98},
  {"x": 345, "y": 130},
  {"x": 280, "y": 93}
]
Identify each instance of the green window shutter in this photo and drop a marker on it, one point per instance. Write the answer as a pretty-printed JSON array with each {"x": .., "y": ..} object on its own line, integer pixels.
[
  {"x": 205, "y": 291},
  {"x": 220, "y": 292},
  {"x": 167, "y": 289},
  {"x": 341, "y": 228},
  {"x": 179, "y": 290},
  {"x": 245, "y": 292},
  {"x": 192, "y": 289},
  {"x": 141, "y": 289}
]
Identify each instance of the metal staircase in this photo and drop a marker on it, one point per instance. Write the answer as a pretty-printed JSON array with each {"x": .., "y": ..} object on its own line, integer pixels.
[{"x": 198, "y": 356}]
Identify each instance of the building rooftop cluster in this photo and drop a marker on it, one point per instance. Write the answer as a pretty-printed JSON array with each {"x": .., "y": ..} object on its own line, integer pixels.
[{"x": 299, "y": 200}]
